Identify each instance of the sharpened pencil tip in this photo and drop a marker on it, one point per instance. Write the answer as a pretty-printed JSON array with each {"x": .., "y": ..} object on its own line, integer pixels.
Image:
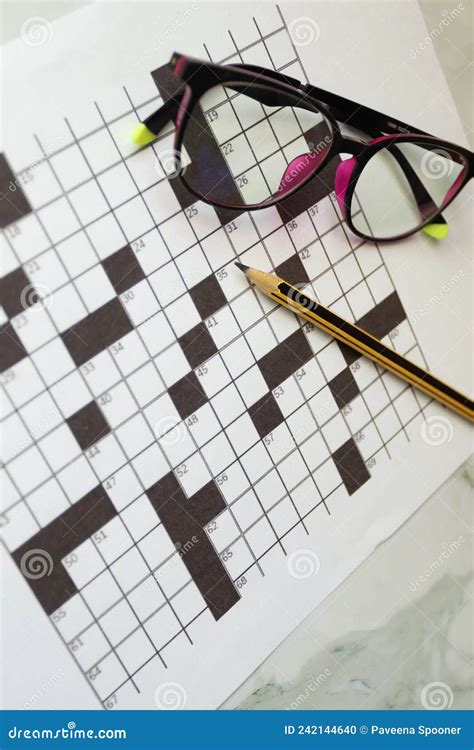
[{"x": 242, "y": 267}]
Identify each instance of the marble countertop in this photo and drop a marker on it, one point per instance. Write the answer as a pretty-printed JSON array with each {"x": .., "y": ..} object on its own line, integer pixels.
[{"x": 397, "y": 633}]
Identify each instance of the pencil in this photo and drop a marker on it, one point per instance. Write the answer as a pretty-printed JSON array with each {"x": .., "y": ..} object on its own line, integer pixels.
[{"x": 356, "y": 338}]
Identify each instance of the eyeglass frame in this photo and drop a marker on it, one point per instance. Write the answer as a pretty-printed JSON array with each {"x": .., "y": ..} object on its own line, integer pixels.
[{"x": 195, "y": 77}]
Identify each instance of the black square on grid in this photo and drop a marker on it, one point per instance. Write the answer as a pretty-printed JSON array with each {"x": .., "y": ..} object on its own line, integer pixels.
[
  {"x": 11, "y": 348},
  {"x": 292, "y": 271},
  {"x": 197, "y": 345},
  {"x": 208, "y": 297},
  {"x": 317, "y": 188},
  {"x": 187, "y": 395},
  {"x": 58, "y": 539},
  {"x": 384, "y": 317},
  {"x": 88, "y": 425},
  {"x": 350, "y": 355},
  {"x": 13, "y": 202},
  {"x": 351, "y": 466},
  {"x": 285, "y": 359},
  {"x": 343, "y": 388},
  {"x": 123, "y": 269},
  {"x": 16, "y": 292},
  {"x": 265, "y": 414}
]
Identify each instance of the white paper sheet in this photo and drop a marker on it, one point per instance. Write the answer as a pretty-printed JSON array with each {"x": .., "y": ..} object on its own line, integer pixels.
[{"x": 132, "y": 629}]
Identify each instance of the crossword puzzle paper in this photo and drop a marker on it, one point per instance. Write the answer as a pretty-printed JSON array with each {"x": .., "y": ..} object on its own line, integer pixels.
[{"x": 138, "y": 366}]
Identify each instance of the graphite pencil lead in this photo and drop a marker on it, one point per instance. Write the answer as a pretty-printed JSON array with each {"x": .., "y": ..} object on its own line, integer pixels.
[{"x": 241, "y": 266}]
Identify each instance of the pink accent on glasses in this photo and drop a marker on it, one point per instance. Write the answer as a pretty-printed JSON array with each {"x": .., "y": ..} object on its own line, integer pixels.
[
  {"x": 342, "y": 180},
  {"x": 299, "y": 169}
]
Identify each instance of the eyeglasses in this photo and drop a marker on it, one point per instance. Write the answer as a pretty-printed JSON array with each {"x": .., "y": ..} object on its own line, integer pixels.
[{"x": 247, "y": 138}]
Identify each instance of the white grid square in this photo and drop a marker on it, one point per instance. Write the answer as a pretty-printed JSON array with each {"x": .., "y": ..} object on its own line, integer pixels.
[
  {"x": 106, "y": 457},
  {"x": 193, "y": 475},
  {"x": 213, "y": 376},
  {"x": 34, "y": 327},
  {"x": 58, "y": 219},
  {"x": 134, "y": 436},
  {"x": 238, "y": 357},
  {"x": 129, "y": 570},
  {"x": 123, "y": 487},
  {"x": 70, "y": 168},
  {"x": 117, "y": 185},
  {"x": 228, "y": 404},
  {"x": 167, "y": 284},
  {"x": 182, "y": 315},
  {"x": 70, "y": 393},
  {"x": 106, "y": 236},
  {"x": 218, "y": 454},
  {"x": 77, "y": 254},
  {"x": 88, "y": 202},
  {"x": 172, "y": 364},
  {"x": 335, "y": 432},
  {"x": 177, "y": 234},
  {"x": 118, "y": 622},
  {"x": 66, "y": 307},
  {"x": 47, "y": 502},
  {"x": 256, "y": 462},
  {"x": 150, "y": 466},
  {"x": 59, "y": 447},
  {"x": 203, "y": 425},
  {"x": 217, "y": 249},
  {"x": 146, "y": 598},
  {"x": 134, "y": 219},
  {"x": 25, "y": 384},
  {"x": 140, "y": 302},
  {"x": 261, "y": 537},
  {"x": 29, "y": 470},
  {"x": 156, "y": 333},
  {"x": 161, "y": 201},
  {"x": 145, "y": 384},
  {"x": 77, "y": 479},
  {"x": 95, "y": 288},
  {"x": 162, "y": 627},
  {"x": 100, "y": 150},
  {"x": 101, "y": 593},
  {"x": 140, "y": 518}
]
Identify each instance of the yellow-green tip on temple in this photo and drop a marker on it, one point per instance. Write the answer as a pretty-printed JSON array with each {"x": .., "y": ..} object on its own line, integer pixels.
[
  {"x": 437, "y": 231},
  {"x": 142, "y": 135}
]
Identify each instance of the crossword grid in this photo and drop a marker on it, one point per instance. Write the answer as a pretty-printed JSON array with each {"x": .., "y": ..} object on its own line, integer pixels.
[{"x": 125, "y": 238}]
